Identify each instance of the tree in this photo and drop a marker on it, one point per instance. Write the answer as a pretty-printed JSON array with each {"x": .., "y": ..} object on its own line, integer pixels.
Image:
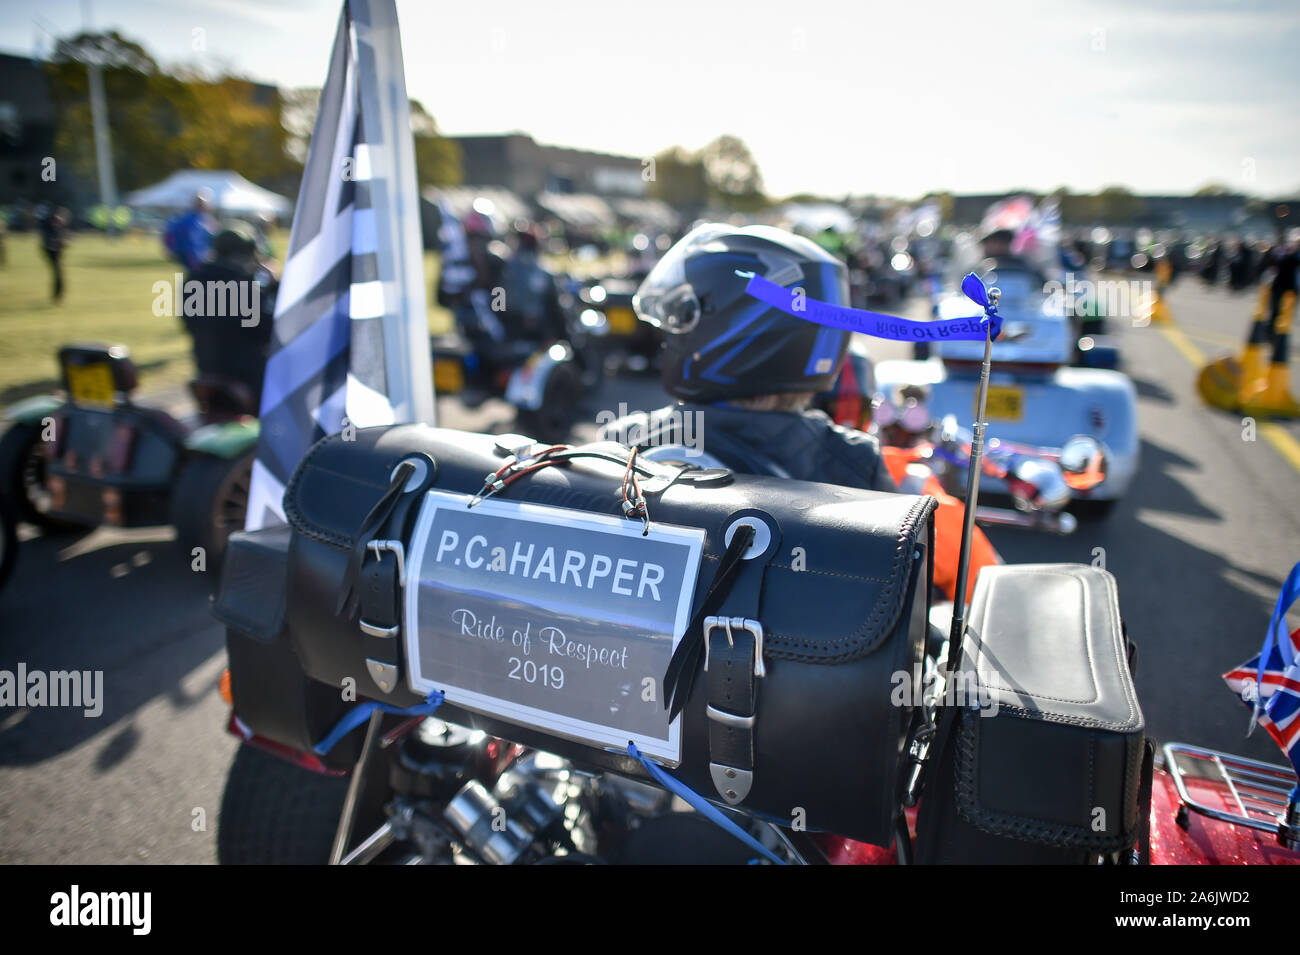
[
  {"x": 1117, "y": 205},
  {"x": 680, "y": 180},
  {"x": 733, "y": 177},
  {"x": 944, "y": 201},
  {"x": 137, "y": 117},
  {"x": 298, "y": 116},
  {"x": 437, "y": 158},
  {"x": 163, "y": 121},
  {"x": 232, "y": 123},
  {"x": 1074, "y": 208}
]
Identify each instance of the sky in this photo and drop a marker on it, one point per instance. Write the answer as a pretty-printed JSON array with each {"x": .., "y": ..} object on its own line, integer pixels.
[{"x": 832, "y": 96}]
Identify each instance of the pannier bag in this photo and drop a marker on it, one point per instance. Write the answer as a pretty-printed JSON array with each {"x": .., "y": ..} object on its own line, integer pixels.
[
  {"x": 1041, "y": 752},
  {"x": 548, "y": 612}
]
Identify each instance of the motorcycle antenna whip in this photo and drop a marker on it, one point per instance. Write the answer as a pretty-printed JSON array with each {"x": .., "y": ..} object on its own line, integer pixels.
[{"x": 988, "y": 299}]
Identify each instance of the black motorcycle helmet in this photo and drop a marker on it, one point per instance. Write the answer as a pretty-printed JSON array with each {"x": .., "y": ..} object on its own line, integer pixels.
[
  {"x": 720, "y": 343},
  {"x": 235, "y": 247}
]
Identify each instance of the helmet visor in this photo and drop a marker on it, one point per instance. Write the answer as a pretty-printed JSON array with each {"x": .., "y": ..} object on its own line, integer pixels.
[{"x": 665, "y": 299}]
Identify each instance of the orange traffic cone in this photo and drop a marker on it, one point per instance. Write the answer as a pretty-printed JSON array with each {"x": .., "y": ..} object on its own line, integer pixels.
[
  {"x": 1159, "y": 311},
  {"x": 1268, "y": 393},
  {"x": 1225, "y": 382}
]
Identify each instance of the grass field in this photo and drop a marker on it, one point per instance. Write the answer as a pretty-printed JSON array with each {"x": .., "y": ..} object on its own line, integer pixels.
[{"x": 108, "y": 297}]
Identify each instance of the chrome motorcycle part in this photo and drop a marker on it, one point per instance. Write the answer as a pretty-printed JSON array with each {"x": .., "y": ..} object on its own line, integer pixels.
[
  {"x": 1259, "y": 790},
  {"x": 482, "y": 822},
  {"x": 1051, "y": 493},
  {"x": 972, "y": 494}
]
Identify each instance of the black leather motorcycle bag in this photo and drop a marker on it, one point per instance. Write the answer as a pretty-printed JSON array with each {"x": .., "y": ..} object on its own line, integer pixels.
[
  {"x": 273, "y": 697},
  {"x": 840, "y": 591},
  {"x": 1041, "y": 760}
]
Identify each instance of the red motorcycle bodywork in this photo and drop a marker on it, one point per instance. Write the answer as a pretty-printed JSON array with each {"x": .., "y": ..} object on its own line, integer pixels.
[{"x": 1204, "y": 841}]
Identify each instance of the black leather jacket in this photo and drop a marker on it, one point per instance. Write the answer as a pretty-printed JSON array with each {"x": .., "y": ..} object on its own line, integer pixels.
[{"x": 805, "y": 446}]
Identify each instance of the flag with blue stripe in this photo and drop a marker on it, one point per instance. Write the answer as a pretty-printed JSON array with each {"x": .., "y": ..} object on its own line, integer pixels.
[{"x": 351, "y": 343}]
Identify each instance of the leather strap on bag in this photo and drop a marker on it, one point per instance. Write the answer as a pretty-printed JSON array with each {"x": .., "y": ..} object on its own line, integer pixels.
[
  {"x": 733, "y": 664},
  {"x": 376, "y": 574},
  {"x": 683, "y": 668}
]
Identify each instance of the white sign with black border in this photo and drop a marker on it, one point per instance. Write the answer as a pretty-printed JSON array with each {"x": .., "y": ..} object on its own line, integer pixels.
[{"x": 552, "y": 618}]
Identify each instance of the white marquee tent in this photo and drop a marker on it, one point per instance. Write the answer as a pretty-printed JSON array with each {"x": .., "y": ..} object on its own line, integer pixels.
[{"x": 232, "y": 194}]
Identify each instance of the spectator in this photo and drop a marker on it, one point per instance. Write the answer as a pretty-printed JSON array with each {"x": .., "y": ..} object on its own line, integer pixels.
[
  {"x": 54, "y": 236},
  {"x": 188, "y": 236}
]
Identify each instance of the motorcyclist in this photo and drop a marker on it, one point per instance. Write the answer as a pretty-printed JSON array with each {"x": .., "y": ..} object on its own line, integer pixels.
[
  {"x": 906, "y": 427},
  {"x": 472, "y": 283},
  {"x": 231, "y": 334},
  {"x": 746, "y": 374},
  {"x": 532, "y": 297}
]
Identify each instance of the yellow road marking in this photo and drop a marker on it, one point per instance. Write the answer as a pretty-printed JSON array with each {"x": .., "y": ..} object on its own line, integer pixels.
[
  {"x": 1216, "y": 338},
  {"x": 1184, "y": 344},
  {"x": 1282, "y": 442},
  {"x": 1273, "y": 433}
]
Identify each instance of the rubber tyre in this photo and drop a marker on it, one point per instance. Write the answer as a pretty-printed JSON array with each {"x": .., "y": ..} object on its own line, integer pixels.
[
  {"x": 209, "y": 501},
  {"x": 276, "y": 813},
  {"x": 21, "y": 465},
  {"x": 1086, "y": 510},
  {"x": 552, "y": 422},
  {"x": 8, "y": 539}
]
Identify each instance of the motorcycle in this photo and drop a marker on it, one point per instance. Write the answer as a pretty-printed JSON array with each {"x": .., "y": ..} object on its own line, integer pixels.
[
  {"x": 425, "y": 788},
  {"x": 629, "y": 343},
  {"x": 543, "y": 379},
  {"x": 92, "y": 456}
]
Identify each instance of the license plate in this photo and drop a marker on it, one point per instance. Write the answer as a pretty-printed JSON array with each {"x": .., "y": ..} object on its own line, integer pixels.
[
  {"x": 622, "y": 321},
  {"x": 1005, "y": 403},
  {"x": 90, "y": 384},
  {"x": 448, "y": 375},
  {"x": 550, "y": 618}
]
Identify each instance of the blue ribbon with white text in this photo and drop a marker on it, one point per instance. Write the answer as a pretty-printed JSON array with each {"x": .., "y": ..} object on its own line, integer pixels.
[{"x": 972, "y": 328}]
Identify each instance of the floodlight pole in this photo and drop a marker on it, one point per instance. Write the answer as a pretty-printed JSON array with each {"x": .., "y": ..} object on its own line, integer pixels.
[
  {"x": 103, "y": 138},
  {"x": 955, "y": 636}
]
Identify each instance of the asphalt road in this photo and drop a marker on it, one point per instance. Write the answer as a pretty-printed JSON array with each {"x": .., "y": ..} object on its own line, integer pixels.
[{"x": 1200, "y": 548}]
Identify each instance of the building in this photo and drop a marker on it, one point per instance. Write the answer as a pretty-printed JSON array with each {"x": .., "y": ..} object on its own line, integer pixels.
[
  {"x": 515, "y": 161},
  {"x": 1209, "y": 213},
  {"x": 27, "y": 127}
]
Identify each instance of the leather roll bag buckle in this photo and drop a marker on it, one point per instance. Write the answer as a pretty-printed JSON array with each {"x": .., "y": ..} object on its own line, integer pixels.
[
  {"x": 732, "y": 702},
  {"x": 381, "y": 594}
]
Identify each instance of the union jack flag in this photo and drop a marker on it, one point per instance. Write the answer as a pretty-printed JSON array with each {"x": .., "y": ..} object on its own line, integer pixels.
[{"x": 1272, "y": 689}]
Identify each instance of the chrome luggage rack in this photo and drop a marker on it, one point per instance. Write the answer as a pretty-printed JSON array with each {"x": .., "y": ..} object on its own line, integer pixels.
[{"x": 1261, "y": 790}]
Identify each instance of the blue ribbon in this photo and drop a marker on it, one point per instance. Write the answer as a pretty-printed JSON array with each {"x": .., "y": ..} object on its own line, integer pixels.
[
  {"x": 702, "y": 805},
  {"x": 1277, "y": 633},
  {"x": 973, "y": 328},
  {"x": 361, "y": 713}
]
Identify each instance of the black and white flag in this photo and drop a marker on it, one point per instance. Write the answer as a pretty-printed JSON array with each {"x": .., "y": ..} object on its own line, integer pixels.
[{"x": 351, "y": 328}]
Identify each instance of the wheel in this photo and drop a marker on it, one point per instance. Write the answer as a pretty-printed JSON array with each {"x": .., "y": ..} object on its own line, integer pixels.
[
  {"x": 8, "y": 539},
  {"x": 551, "y": 422},
  {"x": 22, "y": 471},
  {"x": 276, "y": 813},
  {"x": 210, "y": 501},
  {"x": 591, "y": 360},
  {"x": 1093, "y": 510}
]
